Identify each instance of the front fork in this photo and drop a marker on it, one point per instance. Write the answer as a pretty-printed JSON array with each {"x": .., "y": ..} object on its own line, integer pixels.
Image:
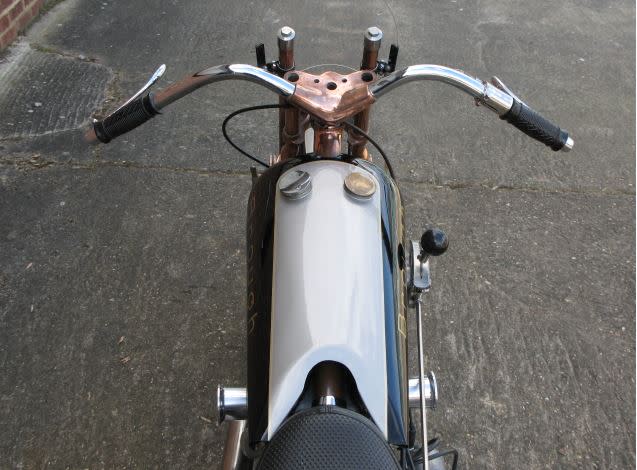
[{"x": 293, "y": 123}]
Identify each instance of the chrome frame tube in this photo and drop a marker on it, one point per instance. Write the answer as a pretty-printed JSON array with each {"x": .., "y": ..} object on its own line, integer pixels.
[
  {"x": 487, "y": 94},
  {"x": 421, "y": 374},
  {"x": 232, "y": 450}
]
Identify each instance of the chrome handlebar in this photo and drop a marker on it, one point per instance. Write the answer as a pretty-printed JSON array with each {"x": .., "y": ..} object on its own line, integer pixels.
[
  {"x": 223, "y": 72},
  {"x": 496, "y": 97},
  {"x": 487, "y": 94},
  {"x": 492, "y": 97}
]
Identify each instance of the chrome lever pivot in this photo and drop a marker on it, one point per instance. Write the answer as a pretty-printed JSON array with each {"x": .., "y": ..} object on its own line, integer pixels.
[
  {"x": 151, "y": 81},
  {"x": 500, "y": 85}
]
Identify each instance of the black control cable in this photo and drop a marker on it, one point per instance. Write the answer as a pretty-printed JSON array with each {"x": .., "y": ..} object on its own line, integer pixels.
[
  {"x": 349, "y": 125},
  {"x": 241, "y": 111},
  {"x": 360, "y": 131}
]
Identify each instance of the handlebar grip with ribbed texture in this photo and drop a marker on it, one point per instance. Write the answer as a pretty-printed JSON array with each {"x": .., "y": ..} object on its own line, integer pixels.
[
  {"x": 125, "y": 119},
  {"x": 535, "y": 125}
]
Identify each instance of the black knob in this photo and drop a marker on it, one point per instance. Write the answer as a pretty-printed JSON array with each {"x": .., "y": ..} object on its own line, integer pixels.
[{"x": 434, "y": 242}]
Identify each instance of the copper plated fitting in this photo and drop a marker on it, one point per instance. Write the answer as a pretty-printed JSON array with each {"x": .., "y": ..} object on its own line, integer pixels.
[
  {"x": 373, "y": 37},
  {"x": 288, "y": 118},
  {"x": 327, "y": 141}
]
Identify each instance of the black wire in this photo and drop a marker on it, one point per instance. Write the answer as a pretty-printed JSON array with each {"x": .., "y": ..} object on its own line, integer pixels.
[
  {"x": 241, "y": 111},
  {"x": 360, "y": 131},
  {"x": 411, "y": 461},
  {"x": 356, "y": 129}
]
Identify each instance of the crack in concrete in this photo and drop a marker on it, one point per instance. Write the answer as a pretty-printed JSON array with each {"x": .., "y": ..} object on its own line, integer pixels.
[
  {"x": 36, "y": 163},
  {"x": 113, "y": 93},
  {"x": 59, "y": 52},
  {"x": 504, "y": 187}
]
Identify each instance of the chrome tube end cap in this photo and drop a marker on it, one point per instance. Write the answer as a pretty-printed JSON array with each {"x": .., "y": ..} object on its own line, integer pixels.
[
  {"x": 286, "y": 37},
  {"x": 373, "y": 37},
  {"x": 568, "y": 146},
  {"x": 232, "y": 403}
]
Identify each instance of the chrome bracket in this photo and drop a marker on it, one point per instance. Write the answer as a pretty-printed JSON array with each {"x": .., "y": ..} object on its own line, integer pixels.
[
  {"x": 418, "y": 274},
  {"x": 500, "y": 85}
]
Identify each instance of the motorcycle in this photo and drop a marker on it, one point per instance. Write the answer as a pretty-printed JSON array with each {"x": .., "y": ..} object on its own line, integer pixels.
[{"x": 330, "y": 274}]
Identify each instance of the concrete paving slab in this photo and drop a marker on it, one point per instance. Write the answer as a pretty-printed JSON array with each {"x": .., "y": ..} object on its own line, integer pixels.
[
  {"x": 121, "y": 309},
  {"x": 530, "y": 326},
  {"x": 40, "y": 90},
  {"x": 122, "y": 294},
  {"x": 574, "y": 62}
]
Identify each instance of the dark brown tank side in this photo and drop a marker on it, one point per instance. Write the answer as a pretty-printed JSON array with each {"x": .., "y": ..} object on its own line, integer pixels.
[{"x": 259, "y": 253}]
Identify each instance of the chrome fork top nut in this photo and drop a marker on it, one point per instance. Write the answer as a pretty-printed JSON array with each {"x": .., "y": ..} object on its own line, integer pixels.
[
  {"x": 373, "y": 37},
  {"x": 374, "y": 33},
  {"x": 286, "y": 37},
  {"x": 286, "y": 32}
]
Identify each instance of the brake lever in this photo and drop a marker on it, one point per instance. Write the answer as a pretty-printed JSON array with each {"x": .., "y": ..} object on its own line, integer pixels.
[
  {"x": 500, "y": 85},
  {"x": 151, "y": 81}
]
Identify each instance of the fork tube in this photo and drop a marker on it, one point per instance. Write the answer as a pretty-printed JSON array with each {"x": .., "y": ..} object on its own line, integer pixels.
[
  {"x": 371, "y": 47},
  {"x": 288, "y": 118}
]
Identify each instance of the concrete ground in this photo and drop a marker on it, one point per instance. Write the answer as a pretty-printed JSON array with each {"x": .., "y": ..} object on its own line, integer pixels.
[{"x": 122, "y": 267}]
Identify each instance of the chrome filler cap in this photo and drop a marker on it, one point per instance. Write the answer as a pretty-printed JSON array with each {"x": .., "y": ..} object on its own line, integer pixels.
[
  {"x": 360, "y": 185},
  {"x": 295, "y": 184}
]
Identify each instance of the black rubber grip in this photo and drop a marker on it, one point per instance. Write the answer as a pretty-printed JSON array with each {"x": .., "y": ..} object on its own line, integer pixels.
[
  {"x": 536, "y": 126},
  {"x": 126, "y": 119}
]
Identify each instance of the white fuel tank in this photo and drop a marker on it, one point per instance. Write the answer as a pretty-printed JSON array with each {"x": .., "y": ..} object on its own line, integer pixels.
[{"x": 327, "y": 292}]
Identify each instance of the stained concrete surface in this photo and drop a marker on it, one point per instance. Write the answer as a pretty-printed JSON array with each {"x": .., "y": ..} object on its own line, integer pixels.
[{"x": 122, "y": 266}]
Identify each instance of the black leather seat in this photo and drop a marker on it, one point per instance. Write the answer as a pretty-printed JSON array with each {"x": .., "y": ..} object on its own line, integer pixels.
[{"x": 328, "y": 438}]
